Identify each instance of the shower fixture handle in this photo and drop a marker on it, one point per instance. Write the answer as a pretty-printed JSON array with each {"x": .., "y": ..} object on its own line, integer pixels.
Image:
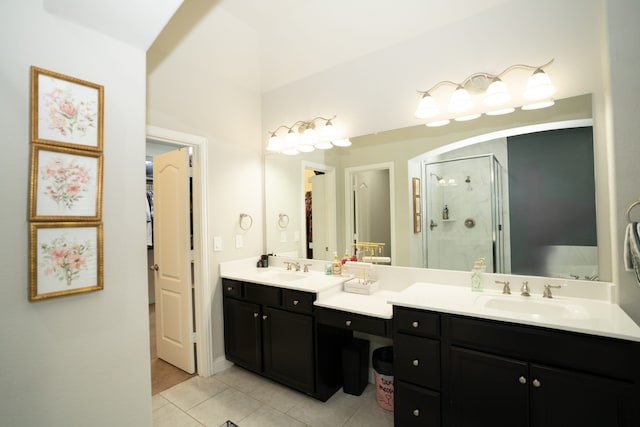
[{"x": 432, "y": 225}]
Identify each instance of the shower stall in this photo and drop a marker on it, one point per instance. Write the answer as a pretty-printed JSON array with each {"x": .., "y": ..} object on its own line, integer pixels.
[{"x": 464, "y": 213}]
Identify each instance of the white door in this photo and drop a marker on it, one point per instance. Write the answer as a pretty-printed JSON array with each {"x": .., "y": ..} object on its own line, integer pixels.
[{"x": 172, "y": 248}]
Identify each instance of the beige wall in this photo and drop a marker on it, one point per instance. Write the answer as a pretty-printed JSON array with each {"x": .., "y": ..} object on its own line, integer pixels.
[
  {"x": 223, "y": 106},
  {"x": 81, "y": 359}
]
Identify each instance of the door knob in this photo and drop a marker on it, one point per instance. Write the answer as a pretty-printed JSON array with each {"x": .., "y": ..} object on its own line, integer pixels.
[{"x": 154, "y": 267}]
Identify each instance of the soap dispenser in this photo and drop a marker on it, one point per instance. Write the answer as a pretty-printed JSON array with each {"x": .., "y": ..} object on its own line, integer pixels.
[
  {"x": 479, "y": 267},
  {"x": 336, "y": 266}
]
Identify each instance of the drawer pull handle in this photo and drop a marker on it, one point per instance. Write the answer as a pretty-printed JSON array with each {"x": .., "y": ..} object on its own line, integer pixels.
[
  {"x": 415, "y": 362},
  {"x": 415, "y": 324},
  {"x": 536, "y": 383},
  {"x": 416, "y": 412},
  {"x": 522, "y": 380},
  {"x": 296, "y": 302},
  {"x": 264, "y": 317},
  {"x": 348, "y": 323}
]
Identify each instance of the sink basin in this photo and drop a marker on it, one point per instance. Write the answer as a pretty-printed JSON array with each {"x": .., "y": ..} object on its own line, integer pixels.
[
  {"x": 534, "y": 308},
  {"x": 284, "y": 276}
]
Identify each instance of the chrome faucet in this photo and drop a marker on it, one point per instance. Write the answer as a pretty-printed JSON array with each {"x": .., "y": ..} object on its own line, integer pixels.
[
  {"x": 524, "y": 289},
  {"x": 506, "y": 289},
  {"x": 547, "y": 290},
  {"x": 306, "y": 267}
]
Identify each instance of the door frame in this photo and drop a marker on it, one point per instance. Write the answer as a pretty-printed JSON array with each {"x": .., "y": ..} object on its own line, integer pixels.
[{"x": 201, "y": 256}]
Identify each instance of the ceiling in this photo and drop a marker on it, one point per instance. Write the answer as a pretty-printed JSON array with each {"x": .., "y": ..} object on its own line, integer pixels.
[{"x": 298, "y": 38}]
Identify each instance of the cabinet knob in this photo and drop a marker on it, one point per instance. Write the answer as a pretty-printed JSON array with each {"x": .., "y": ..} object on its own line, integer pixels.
[
  {"x": 522, "y": 380},
  {"x": 415, "y": 362},
  {"x": 348, "y": 323},
  {"x": 229, "y": 288},
  {"x": 415, "y": 324},
  {"x": 255, "y": 314},
  {"x": 536, "y": 383},
  {"x": 264, "y": 317},
  {"x": 416, "y": 412},
  {"x": 296, "y": 302}
]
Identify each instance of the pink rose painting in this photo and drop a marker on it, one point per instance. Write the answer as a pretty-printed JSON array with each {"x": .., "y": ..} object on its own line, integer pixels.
[
  {"x": 63, "y": 259},
  {"x": 65, "y": 181},
  {"x": 67, "y": 115}
]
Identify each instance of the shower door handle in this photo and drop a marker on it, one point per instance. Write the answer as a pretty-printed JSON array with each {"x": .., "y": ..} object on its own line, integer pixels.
[{"x": 432, "y": 225}]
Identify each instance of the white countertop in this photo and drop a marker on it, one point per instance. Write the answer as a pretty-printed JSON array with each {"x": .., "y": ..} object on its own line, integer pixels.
[
  {"x": 581, "y": 315},
  {"x": 592, "y": 313}
]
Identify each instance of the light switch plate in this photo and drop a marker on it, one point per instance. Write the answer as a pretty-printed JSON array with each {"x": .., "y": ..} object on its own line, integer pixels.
[
  {"x": 217, "y": 243},
  {"x": 239, "y": 241},
  {"x": 296, "y": 236},
  {"x": 283, "y": 237}
]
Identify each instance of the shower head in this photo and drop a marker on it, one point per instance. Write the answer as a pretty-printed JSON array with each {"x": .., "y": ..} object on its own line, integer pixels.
[{"x": 438, "y": 177}]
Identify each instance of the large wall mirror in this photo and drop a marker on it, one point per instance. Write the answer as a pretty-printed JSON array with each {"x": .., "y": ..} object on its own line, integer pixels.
[{"x": 460, "y": 165}]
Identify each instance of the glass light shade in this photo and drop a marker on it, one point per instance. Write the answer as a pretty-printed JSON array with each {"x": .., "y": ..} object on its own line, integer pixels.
[
  {"x": 324, "y": 145},
  {"x": 539, "y": 105},
  {"x": 500, "y": 111},
  {"x": 290, "y": 151},
  {"x": 346, "y": 142},
  {"x": 438, "y": 123},
  {"x": 539, "y": 86},
  {"x": 310, "y": 136},
  {"x": 460, "y": 101},
  {"x": 497, "y": 94},
  {"x": 467, "y": 117},
  {"x": 305, "y": 148},
  {"x": 291, "y": 138},
  {"x": 274, "y": 144},
  {"x": 328, "y": 131},
  {"x": 427, "y": 107}
]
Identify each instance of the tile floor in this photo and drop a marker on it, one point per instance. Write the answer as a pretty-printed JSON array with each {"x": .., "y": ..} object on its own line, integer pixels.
[{"x": 252, "y": 401}]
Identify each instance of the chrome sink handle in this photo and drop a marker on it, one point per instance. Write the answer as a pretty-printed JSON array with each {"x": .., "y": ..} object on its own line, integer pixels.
[
  {"x": 547, "y": 290},
  {"x": 524, "y": 289},
  {"x": 506, "y": 289},
  {"x": 288, "y": 265},
  {"x": 306, "y": 267}
]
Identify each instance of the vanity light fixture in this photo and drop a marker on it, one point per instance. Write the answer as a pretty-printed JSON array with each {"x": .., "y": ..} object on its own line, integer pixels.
[
  {"x": 495, "y": 94},
  {"x": 306, "y": 136}
]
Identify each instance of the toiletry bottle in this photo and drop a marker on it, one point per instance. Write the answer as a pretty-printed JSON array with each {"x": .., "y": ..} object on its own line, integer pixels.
[
  {"x": 445, "y": 212},
  {"x": 336, "y": 266},
  {"x": 476, "y": 275},
  {"x": 345, "y": 258}
]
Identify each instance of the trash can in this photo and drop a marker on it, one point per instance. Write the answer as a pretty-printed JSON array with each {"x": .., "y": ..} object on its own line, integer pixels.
[
  {"x": 355, "y": 366},
  {"x": 383, "y": 373}
]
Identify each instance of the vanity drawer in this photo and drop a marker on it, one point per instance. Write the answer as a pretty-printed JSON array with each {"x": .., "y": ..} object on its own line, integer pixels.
[
  {"x": 262, "y": 294},
  {"x": 232, "y": 288},
  {"x": 417, "y": 360},
  {"x": 415, "y": 406},
  {"x": 352, "y": 321},
  {"x": 416, "y": 322},
  {"x": 297, "y": 300}
]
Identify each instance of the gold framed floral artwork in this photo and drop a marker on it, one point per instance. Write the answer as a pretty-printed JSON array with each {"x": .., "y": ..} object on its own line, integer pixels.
[
  {"x": 66, "y": 111},
  {"x": 66, "y": 184},
  {"x": 65, "y": 259}
]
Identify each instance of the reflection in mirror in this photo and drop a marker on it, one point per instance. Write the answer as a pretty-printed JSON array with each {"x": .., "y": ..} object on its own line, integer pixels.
[
  {"x": 369, "y": 213},
  {"x": 410, "y": 150},
  {"x": 525, "y": 203}
]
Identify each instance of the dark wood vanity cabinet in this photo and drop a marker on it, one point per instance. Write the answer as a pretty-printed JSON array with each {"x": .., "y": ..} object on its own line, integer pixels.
[
  {"x": 272, "y": 332},
  {"x": 489, "y": 373}
]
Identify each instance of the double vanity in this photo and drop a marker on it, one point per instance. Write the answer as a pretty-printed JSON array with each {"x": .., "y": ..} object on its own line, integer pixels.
[{"x": 461, "y": 358}]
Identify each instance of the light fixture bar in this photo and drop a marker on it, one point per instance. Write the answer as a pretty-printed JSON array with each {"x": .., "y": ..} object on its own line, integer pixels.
[
  {"x": 496, "y": 95},
  {"x": 305, "y": 136}
]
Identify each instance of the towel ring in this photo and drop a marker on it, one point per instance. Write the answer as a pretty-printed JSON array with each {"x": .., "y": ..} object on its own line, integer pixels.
[
  {"x": 633, "y": 205},
  {"x": 283, "y": 220},
  {"x": 242, "y": 221}
]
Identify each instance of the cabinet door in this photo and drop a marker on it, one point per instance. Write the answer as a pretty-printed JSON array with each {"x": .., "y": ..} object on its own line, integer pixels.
[
  {"x": 564, "y": 398},
  {"x": 488, "y": 390},
  {"x": 242, "y": 335},
  {"x": 288, "y": 348}
]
